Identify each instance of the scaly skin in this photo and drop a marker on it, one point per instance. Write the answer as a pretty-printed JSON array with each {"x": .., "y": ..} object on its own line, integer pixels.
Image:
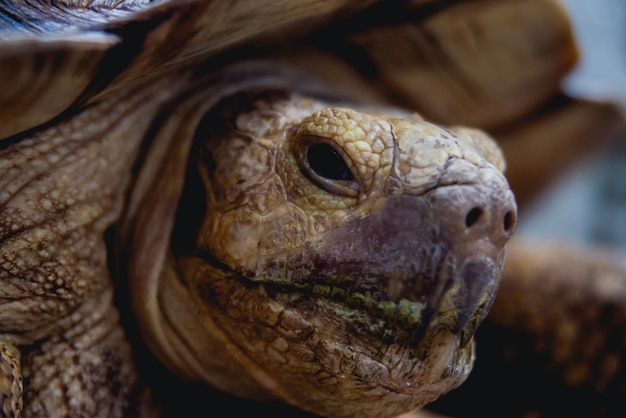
[
  {"x": 61, "y": 188},
  {"x": 10, "y": 380}
]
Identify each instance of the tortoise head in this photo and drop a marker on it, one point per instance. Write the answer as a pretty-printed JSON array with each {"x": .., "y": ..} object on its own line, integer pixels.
[{"x": 332, "y": 258}]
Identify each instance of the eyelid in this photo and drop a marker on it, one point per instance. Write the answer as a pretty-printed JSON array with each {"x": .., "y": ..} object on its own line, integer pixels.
[{"x": 350, "y": 188}]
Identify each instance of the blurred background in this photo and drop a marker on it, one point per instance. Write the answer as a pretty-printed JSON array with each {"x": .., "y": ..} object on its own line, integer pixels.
[{"x": 593, "y": 194}]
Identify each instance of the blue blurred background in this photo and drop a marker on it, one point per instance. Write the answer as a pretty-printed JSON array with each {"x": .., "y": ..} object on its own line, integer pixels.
[{"x": 588, "y": 204}]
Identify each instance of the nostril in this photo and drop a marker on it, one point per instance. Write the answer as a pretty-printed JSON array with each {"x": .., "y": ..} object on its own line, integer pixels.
[
  {"x": 509, "y": 221},
  {"x": 472, "y": 217}
]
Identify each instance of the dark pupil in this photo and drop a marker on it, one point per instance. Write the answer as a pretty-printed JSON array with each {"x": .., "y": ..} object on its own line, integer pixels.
[{"x": 327, "y": 162}]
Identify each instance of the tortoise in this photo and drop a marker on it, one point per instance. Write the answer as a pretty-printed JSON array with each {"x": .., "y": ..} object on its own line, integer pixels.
[{"x": 281, "y": 201}]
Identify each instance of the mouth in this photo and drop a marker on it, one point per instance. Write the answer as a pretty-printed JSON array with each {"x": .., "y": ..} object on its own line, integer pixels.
[
  {"x": 458, "y": 298},
  {"x": 332, "y": 336}
]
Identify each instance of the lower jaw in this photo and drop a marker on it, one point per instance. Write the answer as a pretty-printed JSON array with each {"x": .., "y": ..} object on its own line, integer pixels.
[
  {"x": 332, "y": 372},
  {"x": 374, "y": 378},
  {"x": 320, "y": 354},
  {"x": 394, "y": 348}
]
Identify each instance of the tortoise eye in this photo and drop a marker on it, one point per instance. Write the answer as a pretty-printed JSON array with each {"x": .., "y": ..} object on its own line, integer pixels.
[{"x": 326, "y": 162}]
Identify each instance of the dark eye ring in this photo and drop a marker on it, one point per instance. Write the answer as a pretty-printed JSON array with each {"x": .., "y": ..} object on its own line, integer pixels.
[{"x": 326, "y": 162}]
